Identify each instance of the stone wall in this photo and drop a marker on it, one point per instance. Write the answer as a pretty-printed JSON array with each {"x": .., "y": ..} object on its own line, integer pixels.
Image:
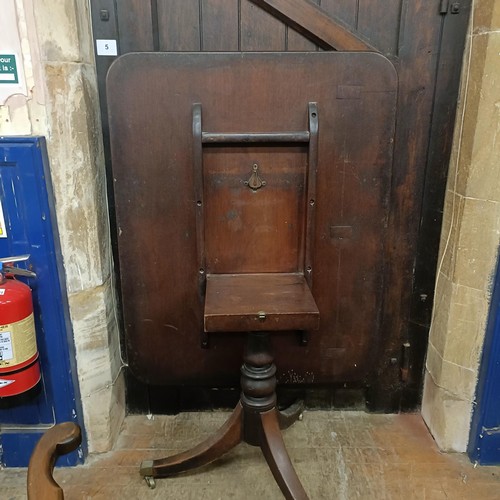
[
  {"x": 470, "y": 239},
  {"x": 61, "y": 103}
]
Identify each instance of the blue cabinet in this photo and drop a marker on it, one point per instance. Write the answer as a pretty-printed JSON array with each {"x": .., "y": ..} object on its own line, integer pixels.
[{"x": 27, "y": 206}]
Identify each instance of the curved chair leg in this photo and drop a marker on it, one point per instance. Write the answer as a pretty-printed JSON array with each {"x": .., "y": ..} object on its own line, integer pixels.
[
  {"x": 277, "y": 457},
  {"x": 228, "y": 436},
  {"x": 290, "y": 415},
  {"x": 59, "y": 440}
]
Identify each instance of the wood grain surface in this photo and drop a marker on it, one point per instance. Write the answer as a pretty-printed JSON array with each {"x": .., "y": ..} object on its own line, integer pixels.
[{"x": 151, "y": 97}]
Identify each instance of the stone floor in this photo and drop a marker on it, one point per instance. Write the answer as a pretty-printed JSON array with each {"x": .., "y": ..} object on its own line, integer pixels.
[{"x": 337, "y": 455}]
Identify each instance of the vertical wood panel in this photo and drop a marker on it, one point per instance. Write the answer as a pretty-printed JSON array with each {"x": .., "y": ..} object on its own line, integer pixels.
[
  {"x": 237, "y": 243},
  {"x": 379, "y": 20},
  {"x": 259, "y": 30},
  {"x": 135, "y": 25},
  {"x": 296, "y": 41},
  {"x": 179, "y": 25},
  {"x": 417, "y": 68},
  {"x": 342, "y": 10},
  {"x": 220, "y": 31}
]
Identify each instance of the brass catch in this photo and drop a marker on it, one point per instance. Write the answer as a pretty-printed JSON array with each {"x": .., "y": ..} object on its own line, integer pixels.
[{"x": 255, "y": 182}]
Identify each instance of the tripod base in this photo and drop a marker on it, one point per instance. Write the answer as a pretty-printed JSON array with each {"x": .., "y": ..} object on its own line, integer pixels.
[{"x": 255, "y": 420}]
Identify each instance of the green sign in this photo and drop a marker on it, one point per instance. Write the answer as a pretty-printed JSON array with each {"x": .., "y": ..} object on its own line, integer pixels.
[{"x": 8, "y": 69}]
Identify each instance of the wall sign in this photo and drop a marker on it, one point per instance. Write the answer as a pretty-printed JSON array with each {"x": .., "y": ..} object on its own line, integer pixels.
[{"x": 8, "y": 69}]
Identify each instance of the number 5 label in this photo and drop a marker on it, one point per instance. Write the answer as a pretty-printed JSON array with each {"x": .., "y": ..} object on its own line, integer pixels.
[{"x": 106, "y": 47}]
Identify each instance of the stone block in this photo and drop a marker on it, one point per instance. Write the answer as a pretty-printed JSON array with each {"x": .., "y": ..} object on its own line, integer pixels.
[
  {"x": 457, "y": 380},
  {"x": 468, "y": 314},
  {"x": 478, "y": 244},
  {"x": 483, "y": 179},
  {"x": 434, "y": 362},
  {"x": 453, "y": 212},
  {"x": 486, "y": 16},
  {"x": 105, "y": 412},
  {"x": 58, "y": 30},
  {"x": 97, "y": 349},
  {"x": 96, "y": 336},
  {"x": 78, "y": 175},
  {"x": 467, "y": 114},
  {"x": 439, "y": 327},
  {"x": 447, "y": 416}
]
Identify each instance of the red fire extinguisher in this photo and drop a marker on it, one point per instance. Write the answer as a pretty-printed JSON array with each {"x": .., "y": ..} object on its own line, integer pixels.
[{"x": 19, "y": 365}]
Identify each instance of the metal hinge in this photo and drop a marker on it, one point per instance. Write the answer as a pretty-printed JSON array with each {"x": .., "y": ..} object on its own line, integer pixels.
[{"x": 445, "y": 6}]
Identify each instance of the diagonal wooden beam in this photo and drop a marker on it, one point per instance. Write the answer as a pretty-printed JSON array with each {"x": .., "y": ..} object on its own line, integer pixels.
[{"x": 314, "y": 23}]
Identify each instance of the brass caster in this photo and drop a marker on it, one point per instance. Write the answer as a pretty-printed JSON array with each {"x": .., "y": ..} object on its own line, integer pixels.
[{"x": 150, "y": 481}]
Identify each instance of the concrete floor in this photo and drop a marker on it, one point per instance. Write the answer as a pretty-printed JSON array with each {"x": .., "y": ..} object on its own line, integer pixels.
[{"x": 337, "y": 455}]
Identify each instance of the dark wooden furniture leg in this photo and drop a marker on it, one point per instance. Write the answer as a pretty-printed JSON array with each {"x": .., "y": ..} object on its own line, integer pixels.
[
  {"x": 59, "y": 440},
  {"x": 274, "y": 450},
  {"x": 255, "y": 420},
  {"x": 227, "y": 437},
  {"x": 290, "y": 415}
]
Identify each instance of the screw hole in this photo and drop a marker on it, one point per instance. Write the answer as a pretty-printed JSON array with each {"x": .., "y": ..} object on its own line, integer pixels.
[
  {"x": 198, "y": 203},
  {"x": 313, "y": 115},
  {"x": 202, "y": 271},
  {"x": 311, "y": 202}
]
